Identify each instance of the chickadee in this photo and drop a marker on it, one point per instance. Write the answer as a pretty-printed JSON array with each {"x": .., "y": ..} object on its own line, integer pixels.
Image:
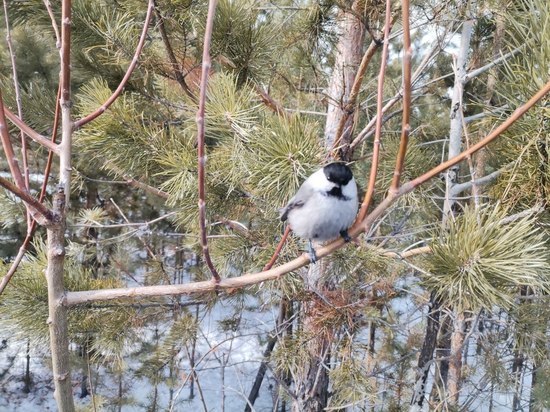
[{"x": 324, "y": 207}]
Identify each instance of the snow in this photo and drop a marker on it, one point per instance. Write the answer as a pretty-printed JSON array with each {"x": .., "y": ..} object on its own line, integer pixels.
[{"x": 226, "y": 366}]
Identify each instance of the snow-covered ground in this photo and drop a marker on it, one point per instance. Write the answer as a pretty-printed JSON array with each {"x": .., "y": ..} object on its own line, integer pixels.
[{"x": 226, "y": 364}]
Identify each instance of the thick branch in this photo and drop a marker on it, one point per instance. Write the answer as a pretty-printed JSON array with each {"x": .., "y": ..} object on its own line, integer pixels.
[
  {"x": 75, "y": 298},
  {"x": 129, "y": 71}
]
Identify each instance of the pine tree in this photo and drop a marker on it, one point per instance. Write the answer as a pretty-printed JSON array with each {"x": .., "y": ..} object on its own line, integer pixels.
[{"x": 291, "y": 86}]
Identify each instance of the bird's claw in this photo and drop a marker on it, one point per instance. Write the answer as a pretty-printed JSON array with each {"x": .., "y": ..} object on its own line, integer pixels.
[
  {"x": 311, "y": 253},
  {"x": 344, "y": 233}
]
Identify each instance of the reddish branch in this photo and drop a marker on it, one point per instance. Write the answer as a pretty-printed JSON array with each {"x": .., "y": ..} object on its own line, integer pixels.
[
  {"x": 273, "y": 259},
  {"x": 17, "y": 98},
  {"x": 22, "y": 194},
  {"x": 75, "y": 298},
  {"x": 8, "y": 149},
  {"x": 206, "y": 63},
  {"x": 405, "y": 124},
  {"x": 34, "y": 135},
  {"x": 180, "y": 78},
  {"x": 32, "y": 228},
  {"x": 350, "y": 105},
  {"x": 379, "y": 101},
  {"x": 270, "y": 102},
  {"x": 118, "y": 91}
]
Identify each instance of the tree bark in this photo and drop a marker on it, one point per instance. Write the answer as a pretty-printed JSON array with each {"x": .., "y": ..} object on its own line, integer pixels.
[
  {"x": 349, "y": 52},
  {"x": 57, "y": 319},
  {"x": 311, "y": 384},
  {"x": 455, "y": 362},
  {"x": 425, "y": 359}
]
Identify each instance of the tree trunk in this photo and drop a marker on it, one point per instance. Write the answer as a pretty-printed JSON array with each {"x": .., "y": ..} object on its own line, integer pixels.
[
  {"x": 57, "y": 319},
  {"x": 349, "y": 52},
  {"x": 455, "y": 363},
  {"x": 311, "y": 384},
  {"x": 442, "y": 354},
  {"x": 425, "y": 359}
]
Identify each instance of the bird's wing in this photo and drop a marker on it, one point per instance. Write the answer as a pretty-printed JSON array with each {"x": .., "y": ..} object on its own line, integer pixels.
[{"x": 304, "y": 193}]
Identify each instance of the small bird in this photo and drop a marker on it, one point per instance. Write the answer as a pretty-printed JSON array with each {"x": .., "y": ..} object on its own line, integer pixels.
[{"x": 324, "y": 207}]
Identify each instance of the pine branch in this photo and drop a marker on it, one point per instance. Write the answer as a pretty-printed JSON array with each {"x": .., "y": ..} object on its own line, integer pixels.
[
  {"x": 405, "y": 124},
  {"x": 29, "y": 131},
  {"x": 76, "y": 298},
  {"x": 206, "y": 63},
  {"x": 17, "y": 89},
  {"x": 100, "y": 110},
  {"x": 171, "y": 56},
  {"x": 54, "y": 23},
  {"x": 378, "y": 134}
]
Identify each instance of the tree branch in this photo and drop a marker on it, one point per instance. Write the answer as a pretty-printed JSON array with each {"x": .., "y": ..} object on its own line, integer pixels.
[
  {"x": 206, "y": 63},
  {"x": 8, "y": 150},
  {"x": 377, "y": 136},
  {"x": 47, "y": 215},
  {"x": 29, "y": 131},
  {"x": 457, "y": 189},
  {"x": 171, "y": 56},
  {"x": 75, "y": 298},
  {"x": 100, "y": 110},
  {"x": 405, "y": 124},
  {"x": 474, "y": 73}
]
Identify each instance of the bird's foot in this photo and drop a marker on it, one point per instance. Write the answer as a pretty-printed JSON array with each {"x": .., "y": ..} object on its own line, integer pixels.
[
  {"x": 311, "y": 253},
  {"x": 344, "y": 233}
]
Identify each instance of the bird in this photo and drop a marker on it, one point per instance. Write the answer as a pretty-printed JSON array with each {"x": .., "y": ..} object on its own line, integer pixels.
[{"x": 324, "y": 207}]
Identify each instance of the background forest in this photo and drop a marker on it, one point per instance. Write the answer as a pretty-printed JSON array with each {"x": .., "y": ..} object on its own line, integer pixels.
[{"x": 441, "y": 301}]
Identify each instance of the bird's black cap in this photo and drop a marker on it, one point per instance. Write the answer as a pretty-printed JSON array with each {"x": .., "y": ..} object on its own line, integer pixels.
[{"x": 338, "y": 173}]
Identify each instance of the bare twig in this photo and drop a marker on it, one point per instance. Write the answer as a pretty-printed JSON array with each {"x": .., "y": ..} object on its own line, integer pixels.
[
  {"x": 416, "y": 75},
  {"x": 270, "y": 102},
  {"x": 491, "y": 177},
  {"x": 15, "y": 264},
  {"x": 474, "y": 73},
  {"x": 405, "y": 124},
  {"x": 54, "y": 23},
  {"x": 137, "y": 184},
  {"x": 47, "y": 215},
  {"x": 171, "y": 55},
  {"x": 378, "y": 134},
  {"x": 100, "y": 110},
  {"x": 206, "y": 63},
  {"x": 17, "y": 99},
  {"x": 37, "y": 137},
  {"x": 273, "y": 259},
  {"x": 75, "y": 298},
  {"x": 8, "y": 149}
]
